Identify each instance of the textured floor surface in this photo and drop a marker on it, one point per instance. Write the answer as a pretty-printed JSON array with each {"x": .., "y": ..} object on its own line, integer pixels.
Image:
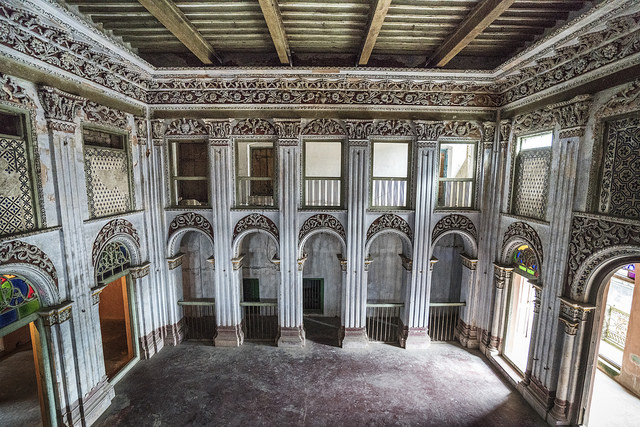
[
  {"x": 19, "y": 405},
  {"x": 316, "y": 385},
  {"x": 612, "y": 404}
]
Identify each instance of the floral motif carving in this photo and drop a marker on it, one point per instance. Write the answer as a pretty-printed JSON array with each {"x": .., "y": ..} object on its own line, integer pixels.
[
  {"x": 104, "y": 115},
  {"x": 359, "y": 129},
  {"x": 59, "y": 105},
  {"x": 19, "y": 252},
  {"x": 432, "y": 130},
  {"x": 109, "y": 231},
  {"x": 141, "y": 129},
  {"x": 256, "y": 221},
  {"x": 525, "y": 232},
  {"x": 323, "y": 127},
  {"x": 190, "y": 220},
  {"x": 534, "y": 121},
  {"x": 628, "y": 99},
  {"x": 589, "y": 235},
  {"x": 186, "y": 127},
  {"x": 218, "y": 128},
  {"x": 454, "y": 222},
  {"x": 13, "y": 92},
  {"x": 253, "y": 127},
  {"x": 288, "y": 129},
  {"x": 389, "y": 221},
  {"x": 488, "y": 133},
  {"x": 429, "y": 130},
  {"x": 572, "y": 115},
  {"x": 322, "y": 221},
  {"x": 505, "y": 131},
  {"x": 394, "y": 128}
]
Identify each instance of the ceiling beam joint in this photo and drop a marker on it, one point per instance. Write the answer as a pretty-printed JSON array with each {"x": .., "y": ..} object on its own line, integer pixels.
[
  {"x": 380, "y": 10},
  {"x": 272, "y": 15}
]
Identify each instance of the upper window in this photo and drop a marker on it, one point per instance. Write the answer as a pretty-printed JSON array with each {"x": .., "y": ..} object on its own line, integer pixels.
[
  {"x": 106, "y": 166},
  {"x": 531, "y": 176},
  {"x": 19, "y": 299},
  {"x": 457, "y": 175},
  {"x": 322, "y": 173},
  {"x": 18, "y": 205},
  {"x": 255, "y": 165},
  {"x": 525, "y": 259},
  {"x": 189, "y": 173},
  {"x": 390, "y": 174}
]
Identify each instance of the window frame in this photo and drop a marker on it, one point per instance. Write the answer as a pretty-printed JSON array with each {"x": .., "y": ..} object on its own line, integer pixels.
[
  {"x": 409, "y": 181},
  {"x": 174, "y": 178},
  {"x": 269, "y": 142},
  {"x": 304, "y": 177},
  {"x": 472, "y": 180}
]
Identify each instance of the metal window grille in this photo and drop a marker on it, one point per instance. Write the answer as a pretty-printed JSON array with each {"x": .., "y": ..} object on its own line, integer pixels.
[
  {"x": 200, "y": 319},
  {"x": 383, "y": 322},
  {"x": 443, "y": 319},
  {"x": 259, "y": 320}
]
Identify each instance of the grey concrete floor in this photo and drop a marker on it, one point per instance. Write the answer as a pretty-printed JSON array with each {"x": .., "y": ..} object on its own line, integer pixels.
[
  {"x": 318, "y": 385},
  {"x": 19, "y": 403}
]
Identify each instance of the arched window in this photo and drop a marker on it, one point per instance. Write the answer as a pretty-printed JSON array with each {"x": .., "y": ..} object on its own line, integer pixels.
[
  {"x": 18, "y": 299},
  {"x": 115, "y": 259},
  {"x": 525, "y": 259}
]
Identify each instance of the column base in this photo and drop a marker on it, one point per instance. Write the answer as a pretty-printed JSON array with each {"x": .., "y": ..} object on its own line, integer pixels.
[
  {"x": 353, "y": 338},
  {"x": 558, "y": 414},
  {"x": 468, "y": 335},
  {"x": 174, "y": 334},
  {"x": 415, "y": 339},
  {"x": 229, "y": 336},
  {"x": 151, "y": 343},
  {"x": 86, "y": 411},
  {"x": 291, "y": 337}
]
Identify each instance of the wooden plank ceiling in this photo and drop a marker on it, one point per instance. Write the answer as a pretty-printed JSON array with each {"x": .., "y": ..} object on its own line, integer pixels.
[{"x": 454, "y": 34}]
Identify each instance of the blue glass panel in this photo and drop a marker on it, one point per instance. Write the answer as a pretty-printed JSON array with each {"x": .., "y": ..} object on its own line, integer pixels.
[{"x": 8, "y": 318}]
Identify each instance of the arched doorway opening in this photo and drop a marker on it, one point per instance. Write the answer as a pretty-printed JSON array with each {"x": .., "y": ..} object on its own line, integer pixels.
[
  {"x": 447, "y": 296},
  {"x": 388, "y": 272},
  {"x": 196, "y": 292},
  {"x": 322, "y": 287},
  {"x": 613, "y": 392},
  {"x": 118, "y": 326},
  {"x": 259, "y": 282},
  {"x": 25, "y": 372}
]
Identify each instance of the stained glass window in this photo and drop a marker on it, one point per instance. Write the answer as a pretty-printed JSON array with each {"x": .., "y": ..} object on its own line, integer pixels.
[
  {"x": 631, "y": 270},
  {"x": 115, "y": 259},
  {"x": 525, "y": 260},
  {"x": 18, "y": 299}
]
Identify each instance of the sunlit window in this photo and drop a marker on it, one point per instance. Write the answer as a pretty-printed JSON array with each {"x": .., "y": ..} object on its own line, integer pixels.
[
  {"x": 457, "y": 175},
  {"x": 322, "y": 173},
  {"x": 389, "y": 175}
]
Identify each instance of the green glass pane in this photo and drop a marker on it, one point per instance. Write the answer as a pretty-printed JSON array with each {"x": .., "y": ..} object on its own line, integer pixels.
[{"x": 28, "y": 308}]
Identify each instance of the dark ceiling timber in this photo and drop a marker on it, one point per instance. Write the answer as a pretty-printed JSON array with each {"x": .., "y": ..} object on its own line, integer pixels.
[
  {"x": 380, "y": 10},
  {"x": 273, "y": 17}
]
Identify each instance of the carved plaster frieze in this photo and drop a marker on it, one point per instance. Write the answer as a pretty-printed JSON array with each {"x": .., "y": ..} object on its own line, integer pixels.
[
  {"x": 322, "y": 221},
  {"x": 394, "y": 128},
  {"x": 186, "y": 127},
  {"x": 140, "y": 271},
  {"x": 100, "y": 114},
  {"x": 175, "y": 261},
  {"x": 59, "y": 105},
  {"x": 140, "y": 125},
  {"x": 626, "y": 100},
  {"x": 534, "y": 121},
  {"x": 56, "y": 315},
  {"x": 288, "y": 129},
  {"x": 389, "y": 221},
  {"x": 488, "y": 134},
  {"x": 572, "y": 115},
  {"x": 110, "y": 230},
  {"x": 359, "y": 129},
  {"x": 469, "y": 263},
  {"x": 434, "y": 130},
  {"x": 218, "y": 129},
  {"x": 454, "y": 222},
  {"x": 19, "y": 252},
  {"x": 12, "y": 92},
  {"x": 324, "y": 127},
  {"x": 505, "y": 132}
]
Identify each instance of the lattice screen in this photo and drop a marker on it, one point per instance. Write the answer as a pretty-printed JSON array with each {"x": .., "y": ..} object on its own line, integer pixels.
[
  {"x": 531, "y": 183},
  {"x": 16, "y": 204},
  {"x": 108, "y": 189}
]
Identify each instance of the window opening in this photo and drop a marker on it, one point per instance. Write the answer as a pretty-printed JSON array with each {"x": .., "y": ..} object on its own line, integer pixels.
[
  {"x": 190, "y": 173},
  {"x": 313, "y": 296},
  {"x": 250, "y": 290},
  {"x": 531, "y": 176},
  {"x": 255, "y": 173},
  {"x": 114, "y": 260},
  {"x": 115, "y": 326},
  {"x": 456, "y": 175},
  {"x": 520, "y": 322},
  {"x": 18, "y": 299},
  {"x": 616, "y": 316},
  {"x": 322, "y": 173},
  {"x": 390, "y": 173}
]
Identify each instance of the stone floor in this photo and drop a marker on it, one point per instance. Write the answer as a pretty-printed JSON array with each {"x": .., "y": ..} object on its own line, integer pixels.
[
  {"x": 612, "y": 404},
  {"x": 320, "y": 384},
  {"x": 19, "y": 404}
]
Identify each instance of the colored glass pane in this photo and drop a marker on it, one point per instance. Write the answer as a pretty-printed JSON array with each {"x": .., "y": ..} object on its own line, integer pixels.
[
  {"x": 525, "y": 259},
  {"x": 631, "y": 271},
  {"x": 18, "y": 299}
]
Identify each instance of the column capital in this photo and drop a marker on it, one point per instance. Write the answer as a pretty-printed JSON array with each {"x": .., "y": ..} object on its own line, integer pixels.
[
  {"x": 276, "y": 262},
  {"x": 469, "y": 262},
  {"x": 301, "y": 262},
  {"x": 211, "y": 260},
  {"x": 573, "y": 312},
  {"x": 343, "y": 262},
  {"x": 175, "y": 261},
  {"x": 432, "y": 263},
  {"x": 572, "y": 115},
  {"x": 140, "y": 271},
  {"x": 367, "y": 262},
  {"x": 488, "y": 134},
  {"x": 502, "y": 274},
  {"x": 407, "y": 263},
  {"x": 505, "y": 132},
  {"x": 58, "y": 314},
  {"x": 237, "y": 262}
]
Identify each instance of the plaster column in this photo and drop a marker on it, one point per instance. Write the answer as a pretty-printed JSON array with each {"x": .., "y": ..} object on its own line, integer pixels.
[
  {"x": 537, "y": 289},
  {"x": 227, "y": 289},
  {"x": 416, "y": 313},
  {"x": 573, "y": 315},
  {"x": 502, "y": 276},
  {"x": 151, "y": 342},
  {"x": 467, "y": 330},
  {"x": 355, "y": 290},
  {"x": 290, "y": 295}
]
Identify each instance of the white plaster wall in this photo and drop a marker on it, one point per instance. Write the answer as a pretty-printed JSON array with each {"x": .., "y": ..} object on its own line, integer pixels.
[
  {"x": 385, "y": 277},
  {"x": 322, "y": 263},
  {"x": 197, "y": 274},
  {"x": 259, "y": 249}
]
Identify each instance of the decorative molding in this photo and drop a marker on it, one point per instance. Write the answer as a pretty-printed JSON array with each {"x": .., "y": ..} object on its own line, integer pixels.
[
  {"x": 301, "y": 262},
  {"x": 253, "y": 127},
  {"x": 590, "y": 235},
  {"x": 140, "y": 271},
  {"x": 110, "y": 230},
  {"x": 288, "y": 129},
  {"x": 237, "y": 262},
  {"x": 218, "y": 129},
  {"x": 211, "y": 260},
  {"x": 158, "y": 130},
  {"x": 434, "y": 130},
  {"x": 407, "y": 263},
  {"x": 140, "y": 125},
  {"x": 102, "y": 115},
  {"x": 534, "y": 121},
  {"x": 469, "y": 263},
  {"x": 59, "y": 105},
  {"x": 394, "y": 128},
  {"x": 324, "y": 127},
  {"x": 389, "y": 222},
  {"x": 175, "y": 261},
  {"x": 454, "y": 222},
  {"x": 288, "y": 142},
  {"x": 572, "y": 115},
  {"x": 505, "y": 132},
  {"x": 186, "y": 127},
  {"x": 190, "y": 220},
  {"x": 501, "y": 275},
  {"x": 257, "y": 222},
  {"x": 624, "y": 101},
  {"x": 488, "y": 134},
  {"x": 522, "y": 230},
  {"x": 13, "y": 92},
  {"x": 56, "y": 315},
  {"x": 343, "y": 263},
  {"x": 320, "y": 221},
  {"x": 19, "y": 252},
  {"x": 358, "y": 129}
]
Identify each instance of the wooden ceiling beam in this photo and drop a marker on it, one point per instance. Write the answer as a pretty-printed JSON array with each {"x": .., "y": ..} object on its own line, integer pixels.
[
  {"x": 373, "y": 29},
  {"x": 172, "y": 17},
  {"x": 478, "y": 19},
  {"x": 272, "y": 15}
]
